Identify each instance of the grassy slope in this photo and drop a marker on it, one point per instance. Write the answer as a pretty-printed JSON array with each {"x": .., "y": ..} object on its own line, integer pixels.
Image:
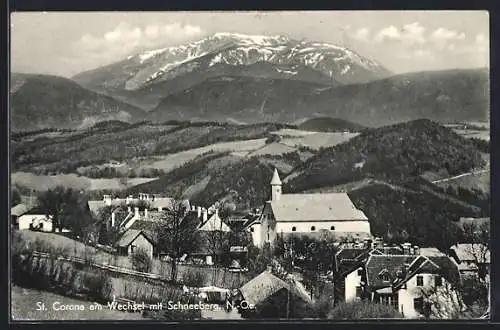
[{"x": 24, "y": 301}]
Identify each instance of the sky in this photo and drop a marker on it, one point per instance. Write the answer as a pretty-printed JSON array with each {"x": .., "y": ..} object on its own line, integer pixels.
[{"x": 67, "y": 43}]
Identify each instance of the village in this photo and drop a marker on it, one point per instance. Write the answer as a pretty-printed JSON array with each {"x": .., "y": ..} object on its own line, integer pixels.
[{"x": 291, "y": 255}]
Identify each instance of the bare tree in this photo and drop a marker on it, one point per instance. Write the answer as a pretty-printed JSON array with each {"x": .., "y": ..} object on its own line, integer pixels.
[
  {"x": 177, "y": 234},
  {"x": 478, "y": 237},
  {"x": 442, "y": 302}
]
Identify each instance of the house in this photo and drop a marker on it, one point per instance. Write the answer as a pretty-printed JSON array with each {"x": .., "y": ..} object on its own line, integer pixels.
[
  {"x": 350, "y": 275},
  {"x": 213, "y": 223},
  {"x": 133, "y": 240},
  {"x": 302, "y": 214},
  {"x": 473, "y": 259},
  {"x": 29, "y": 216},
  {"x": 269, "y": 296},
  {"x": 413, "y": 284}
]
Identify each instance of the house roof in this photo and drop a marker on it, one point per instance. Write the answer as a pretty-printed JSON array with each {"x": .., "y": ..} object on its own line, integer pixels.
[
  {"x": 19, "y": 210},
  {"x": 214, "y": 223},
  {"x": 471, "y": 252},
  {"x": 315, "y": 207},
  {"x": 265, "y": 285},
  {"x": 350, "y": 259},
  {"x": 390, "y": 264},
  {"x": 129, "y": 236},
  {"x": 431, "y": 252}
]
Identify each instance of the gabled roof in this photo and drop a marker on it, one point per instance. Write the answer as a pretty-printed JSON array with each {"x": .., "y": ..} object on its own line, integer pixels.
[
  {"x": 129, "y": 236},
  {"x": 471, "y": 252},
  {"x": 315, "y": 207},
  {"x": 264, "y": 286},
  {"x": 214, "y": 223},
  {"x": 20, "y": 209},
  {"x": 431, "y": 252},
  {"x": 393, "y": 264},
  {"x": 349, "y": 259}
]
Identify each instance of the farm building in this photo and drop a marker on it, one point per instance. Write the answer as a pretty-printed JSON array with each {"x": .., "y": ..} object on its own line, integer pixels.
[
  {"x": 133, "y": 240},
  {"x": 25, "y": 217},
  {"x": 306, "y": 214},
  {"x": 271, "y": 297}
]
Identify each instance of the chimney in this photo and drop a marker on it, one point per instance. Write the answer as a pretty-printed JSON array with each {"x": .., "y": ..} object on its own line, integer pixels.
[
  {"x": 217, "y": 212},
  {"x": 136, "y": 210},
  {"x": 378, "y": 243},
  {"x": 198, "y": 209},
  {"x": 269, "y": 268},
  {"x": 416, "y": 250},
  {"x": 113, "y": 219},
  {"x": 193, "y": 208},
  {"x": 107, "y": 199},
  {"x": 145, "y": 213},
  {"x": 129, "y": 209},
  {"x": 406, "y": 248},
  {"x": 205, "y": 215},
  {"x": 159, "y": 208},
  {"x": 146, "y": 197}
]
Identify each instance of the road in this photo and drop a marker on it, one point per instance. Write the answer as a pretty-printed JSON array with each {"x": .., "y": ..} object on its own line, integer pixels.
[{"x": 460, "y": 176}]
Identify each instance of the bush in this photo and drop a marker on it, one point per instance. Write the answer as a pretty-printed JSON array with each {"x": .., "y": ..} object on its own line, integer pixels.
[
  {"x": 363, "y": 310},
  {"x": 194, "y": 278},
  {"x": 141, "y": 261},
  {"x": 97, "y": 285}
]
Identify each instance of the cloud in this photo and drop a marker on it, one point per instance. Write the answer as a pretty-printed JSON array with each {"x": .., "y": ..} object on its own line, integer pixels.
[
  {"x": 125, "y": 38},
  {"x": 443, "y": 37},
  {"x": 390, "y": 32},
  {"x": 362, "y": 34},
  {"x": 409, "y": 34}
]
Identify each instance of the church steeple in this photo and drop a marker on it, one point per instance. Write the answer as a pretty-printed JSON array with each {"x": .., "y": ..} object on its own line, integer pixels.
[{"x": 275, "y": 186}]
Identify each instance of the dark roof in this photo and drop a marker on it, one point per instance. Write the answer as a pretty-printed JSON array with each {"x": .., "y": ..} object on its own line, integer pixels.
[
  {"x": 349, "y": 259},
  {"x": 390, "y": 264},
  {"x": 129, "y": 236}
]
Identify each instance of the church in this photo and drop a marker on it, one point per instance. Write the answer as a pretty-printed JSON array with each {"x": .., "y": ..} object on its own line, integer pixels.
[{"x": 308, "y": 214}]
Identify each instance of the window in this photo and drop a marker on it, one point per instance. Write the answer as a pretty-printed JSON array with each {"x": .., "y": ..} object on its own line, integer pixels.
[
  {"x": 418, "y": 304},
  {"x": 358, "y": 292},
  {"x": 132, "y": 248},
  {"x": 438, "y": 280},
  {"x": 360, "y": 272},
  {"x": 420, "y": 281},
  {"x": 385, "y": 277},
  {"x": 251, "y": 230},
  {"x": 313, "y": 228},
  {"x": 332, "y": 228},
  {"x": 294, "y": 228}
]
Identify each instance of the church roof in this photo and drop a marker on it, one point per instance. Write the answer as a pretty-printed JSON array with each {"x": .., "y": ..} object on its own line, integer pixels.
[
  {"x": 315, "y": 207},
  {"x": 276, "y": 178}
]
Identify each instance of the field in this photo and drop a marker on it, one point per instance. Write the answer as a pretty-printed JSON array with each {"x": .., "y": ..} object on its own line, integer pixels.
[
  {"x": 169, "y": 162},
  {"x": 478, "y": 134},
  {"x": 213, "y": 276},
  {"x": 44, "y": 182},
  {"x": 314, "y": 140},
  {"x": 479, "y": 181},
  {"x": 24, "y": 301}
]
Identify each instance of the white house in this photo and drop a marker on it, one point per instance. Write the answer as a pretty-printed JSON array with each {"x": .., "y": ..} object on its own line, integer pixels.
[
  {"x": 306, "y": 214},
  {"x": 133, "y": 240},
  {"x": 415, "y": 285}
]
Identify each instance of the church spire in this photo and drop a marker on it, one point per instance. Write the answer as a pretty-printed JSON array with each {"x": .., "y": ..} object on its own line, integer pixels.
[
  {"x": 276, "y": 178},
  {"x": 275, "y": 186}
]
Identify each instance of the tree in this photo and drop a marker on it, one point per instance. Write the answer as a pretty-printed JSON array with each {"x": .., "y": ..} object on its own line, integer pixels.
[
  {"x": 442, "y": 302},
  {"x": 177, "y": 234},
  {"x": 15, "y": 197},
  {"x": 62, "y": 205},
  {"x": 478, "y": 236},
  {"x": 141, "y": 261}
]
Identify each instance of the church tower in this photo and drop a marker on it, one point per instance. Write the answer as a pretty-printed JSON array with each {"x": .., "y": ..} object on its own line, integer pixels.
[{"x": 275, "y": 186}]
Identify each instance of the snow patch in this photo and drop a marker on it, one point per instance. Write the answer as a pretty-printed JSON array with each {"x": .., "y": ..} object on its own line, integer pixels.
[{"x": 149, "y": 54}]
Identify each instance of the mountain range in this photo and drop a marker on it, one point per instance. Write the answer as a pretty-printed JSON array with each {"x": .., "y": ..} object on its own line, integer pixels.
[
  {"x": 248, "y": 79},
  {"x": 44, "y": 101}
]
